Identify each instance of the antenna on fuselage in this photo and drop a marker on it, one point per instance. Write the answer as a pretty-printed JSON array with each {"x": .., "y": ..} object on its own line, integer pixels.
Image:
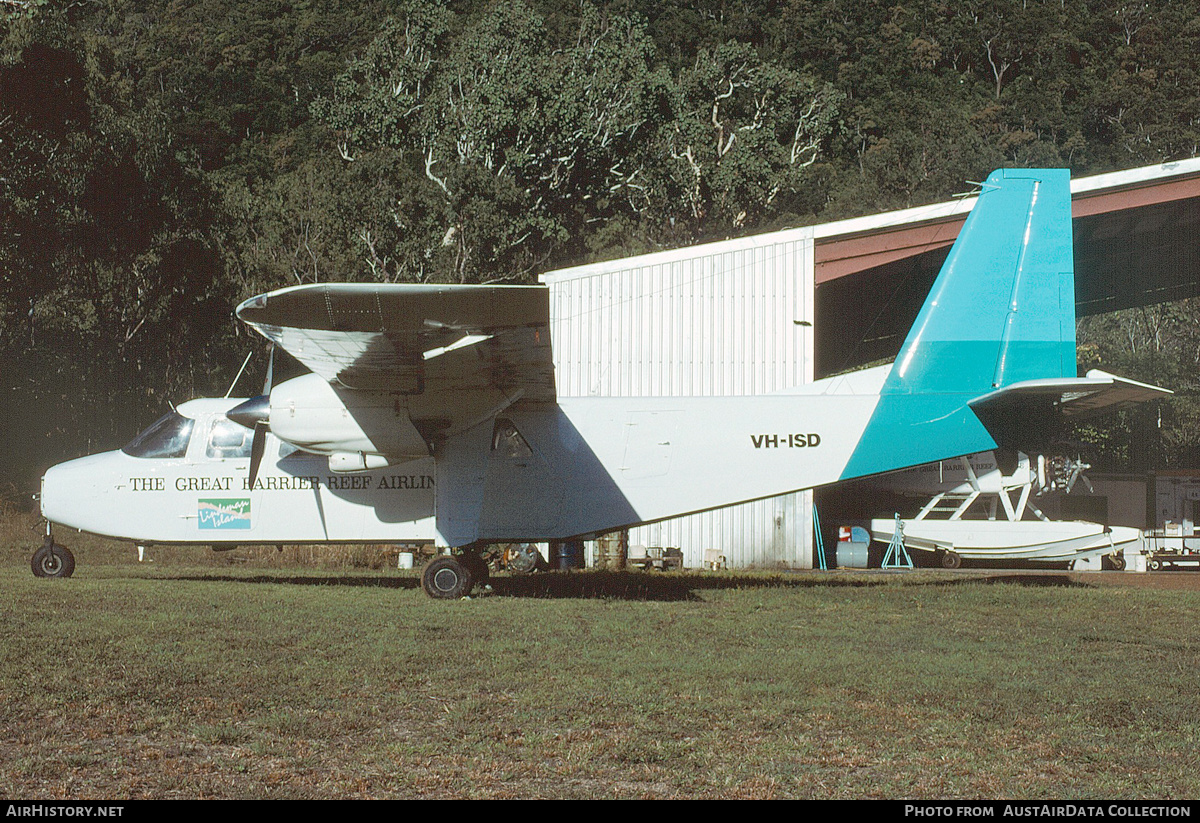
[
  {"x": 241, "y": 371},
  {"x": 255, "y": 414}
]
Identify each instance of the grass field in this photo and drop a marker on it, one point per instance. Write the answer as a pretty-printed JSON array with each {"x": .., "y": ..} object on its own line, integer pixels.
[{"x": 180, "y": 680}]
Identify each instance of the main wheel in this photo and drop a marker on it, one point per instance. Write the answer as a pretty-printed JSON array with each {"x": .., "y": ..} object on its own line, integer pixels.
[
  {"x": 53, "y": 560},
  {"x": 445, "y": 578},
  {"x": 951, "y": 560}
]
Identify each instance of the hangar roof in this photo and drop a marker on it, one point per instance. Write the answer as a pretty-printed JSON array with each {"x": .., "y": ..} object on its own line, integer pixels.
[{"x": 1137, "y": 241}]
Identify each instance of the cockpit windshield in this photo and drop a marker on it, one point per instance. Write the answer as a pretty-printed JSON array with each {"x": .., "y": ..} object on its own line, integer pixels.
[{"x": 167, "y": 437}]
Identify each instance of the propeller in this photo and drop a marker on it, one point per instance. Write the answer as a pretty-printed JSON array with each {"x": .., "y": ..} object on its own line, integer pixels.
[
  {"x": 1067, "y": 472},
  {"x": 255, "y": 414},
  {"x": 1077, "y": 473}
]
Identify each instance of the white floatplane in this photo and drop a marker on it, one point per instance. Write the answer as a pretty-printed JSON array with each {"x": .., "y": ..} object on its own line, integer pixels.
[{"x": 977, "y": 512}]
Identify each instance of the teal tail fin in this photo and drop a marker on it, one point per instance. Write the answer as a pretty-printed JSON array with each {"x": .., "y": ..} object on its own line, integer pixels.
[{"x": 1001, "y": 311}]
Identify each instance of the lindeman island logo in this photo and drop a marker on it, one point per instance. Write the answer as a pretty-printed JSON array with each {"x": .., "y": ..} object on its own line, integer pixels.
[{"x": 224, "y": 513}]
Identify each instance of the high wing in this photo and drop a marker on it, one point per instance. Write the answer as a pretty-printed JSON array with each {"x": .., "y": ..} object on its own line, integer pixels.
[{"x": 411, "y": 339}]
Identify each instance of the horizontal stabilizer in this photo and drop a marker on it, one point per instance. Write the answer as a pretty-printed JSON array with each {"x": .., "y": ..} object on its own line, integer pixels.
[{"x": 1072, "y": 397}]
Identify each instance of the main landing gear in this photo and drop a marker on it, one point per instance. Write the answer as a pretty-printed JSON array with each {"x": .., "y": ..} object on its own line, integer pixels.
[
  {"x": 52, "y": 560},
  {"x": 452, "y": 577}
]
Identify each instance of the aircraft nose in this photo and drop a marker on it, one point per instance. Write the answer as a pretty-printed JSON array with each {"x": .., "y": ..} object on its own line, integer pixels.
[
  {"x": 55, "y": 493},
  {"x": 75, "y": 493}
]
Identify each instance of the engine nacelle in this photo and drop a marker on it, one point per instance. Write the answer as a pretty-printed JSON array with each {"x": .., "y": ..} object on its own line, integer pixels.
[{"x": 367, "y": 427}]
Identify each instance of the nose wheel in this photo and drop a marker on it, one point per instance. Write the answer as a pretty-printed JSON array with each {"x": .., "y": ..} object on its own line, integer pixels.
[{"x": 52, "y": 560}]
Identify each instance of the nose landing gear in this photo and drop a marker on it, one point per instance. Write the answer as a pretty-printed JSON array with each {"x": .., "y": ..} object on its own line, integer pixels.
[{"x": 52, "y": 560}]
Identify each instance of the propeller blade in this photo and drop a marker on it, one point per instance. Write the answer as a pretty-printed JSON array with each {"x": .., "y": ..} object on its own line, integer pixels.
[
  {"x": 254, "y": 414},
  {"x": 1075, "y": 470},
  {"x": 257, "y": 447}
]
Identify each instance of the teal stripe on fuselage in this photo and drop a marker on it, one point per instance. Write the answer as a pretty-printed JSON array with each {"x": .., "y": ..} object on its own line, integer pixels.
[
  {"x": 909, "y": 430},
  {"x": 1002, "y": 310}
]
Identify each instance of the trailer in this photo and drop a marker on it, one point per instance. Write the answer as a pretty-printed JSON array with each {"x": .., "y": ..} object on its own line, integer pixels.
[{"x": 1173, "y": 561}]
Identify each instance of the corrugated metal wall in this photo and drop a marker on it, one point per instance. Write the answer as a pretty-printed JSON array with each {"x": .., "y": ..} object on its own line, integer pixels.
[{"x": 729, "y": 318}]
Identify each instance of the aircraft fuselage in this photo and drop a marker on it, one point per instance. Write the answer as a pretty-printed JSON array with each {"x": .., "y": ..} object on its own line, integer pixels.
[{"x": 199, "y": 492}]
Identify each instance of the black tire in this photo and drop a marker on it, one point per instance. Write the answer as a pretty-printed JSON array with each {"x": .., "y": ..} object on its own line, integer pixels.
[
  {"x": 1155, "y": 565},
  {"x": 1114, "y": 562},
  {"x": 445, "y": 578},
  {"x": 53, "y": 560},
  {"x": 951, "y": 560}
]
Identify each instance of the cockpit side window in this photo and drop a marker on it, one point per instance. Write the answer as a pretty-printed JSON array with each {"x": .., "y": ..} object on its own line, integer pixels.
[
  {"x": 167, "y": 437},
  {"x": 227, "y": 439}
]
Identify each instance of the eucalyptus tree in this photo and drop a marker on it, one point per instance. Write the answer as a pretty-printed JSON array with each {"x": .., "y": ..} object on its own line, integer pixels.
[
  {"x": 529, "y": 141},
  {"x": 516, "y": 141},
  {"x": 741, "y": 135}
]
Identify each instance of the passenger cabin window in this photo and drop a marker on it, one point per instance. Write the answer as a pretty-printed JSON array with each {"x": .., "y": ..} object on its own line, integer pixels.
[
  {"x": 227, "y": 439},
  {"x": 167, "y": 437}
]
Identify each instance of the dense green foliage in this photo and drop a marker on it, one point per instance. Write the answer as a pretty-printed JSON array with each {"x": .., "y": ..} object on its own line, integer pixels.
[{"x": 161, "y": 160}]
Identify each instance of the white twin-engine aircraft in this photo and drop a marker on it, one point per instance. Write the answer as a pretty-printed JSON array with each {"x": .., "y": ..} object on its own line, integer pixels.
[{"x": 441, "y": 400}]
